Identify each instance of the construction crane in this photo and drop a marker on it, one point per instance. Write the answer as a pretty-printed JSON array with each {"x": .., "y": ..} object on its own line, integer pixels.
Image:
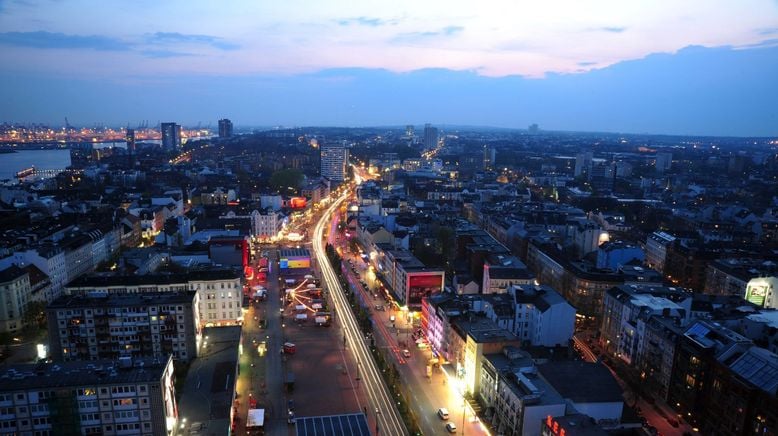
[{"x": 68, "y": 129}]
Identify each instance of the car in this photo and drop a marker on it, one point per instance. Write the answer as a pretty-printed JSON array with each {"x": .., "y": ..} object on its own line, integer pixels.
[
  {"x": 451, "y": 427},
  {"x": 443, "y": 413},
  {"x": 406, "y": 354},
  {"x": 263, "y": 323},
  {"x": 379, "y": 308}
]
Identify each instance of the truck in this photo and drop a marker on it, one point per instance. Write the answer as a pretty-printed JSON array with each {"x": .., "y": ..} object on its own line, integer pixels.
[
  {"x": 289, "y": 381},
  {"x": 255, "y": 422}
]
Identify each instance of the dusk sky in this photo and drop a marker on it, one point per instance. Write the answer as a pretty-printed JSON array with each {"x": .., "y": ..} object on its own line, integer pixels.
[{"x": 690, "y": 67}]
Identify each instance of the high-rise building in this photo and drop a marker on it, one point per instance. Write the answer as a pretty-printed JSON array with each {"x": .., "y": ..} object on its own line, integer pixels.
[
  {"x": 171, "y": 136},
  {"x": 602, "y": 174},
  {"x": 225, "y": 128},
  {"x": 334, "y": 162},
  {"x": 583, "y": 162},
  {"x": 130, "y": 138},
  {"x": 533, "y": 129},
  {"x": 430, "y": 137},
  {"x": 664, "y": 161},
  {"x": 409, "y": 131},
  {"x": 489, "y": 155}
]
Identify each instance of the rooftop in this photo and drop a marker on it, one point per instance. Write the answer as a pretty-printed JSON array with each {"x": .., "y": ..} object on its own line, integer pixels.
[
  {"x": 294, "y": 252},
  {"x": 582, "y": 382},
  {"x": 212, "y": 376},
  {"x": 759, "y": 367},
  {"x": 80, "y": 373},
  {"x": 580, "y": 425},
  {"x": 11, "y": 273},
  {"x": 154, "y": 279},
  {"x": 354, "y": 424},
  {"x": 122, "y": 300},
  {"x": 484, "y": 330}
]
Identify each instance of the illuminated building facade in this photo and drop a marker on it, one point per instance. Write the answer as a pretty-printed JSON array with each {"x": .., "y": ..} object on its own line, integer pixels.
[
  {"x": 219, "y": 291},
  {"x": 334, "y": 162}
]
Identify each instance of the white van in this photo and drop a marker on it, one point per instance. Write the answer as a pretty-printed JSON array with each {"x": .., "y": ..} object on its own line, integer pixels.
[{"x": 443, "y": 413}]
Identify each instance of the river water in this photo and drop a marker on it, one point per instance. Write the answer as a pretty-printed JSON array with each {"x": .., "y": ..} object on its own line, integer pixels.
[{"x": 11, "y": 163}]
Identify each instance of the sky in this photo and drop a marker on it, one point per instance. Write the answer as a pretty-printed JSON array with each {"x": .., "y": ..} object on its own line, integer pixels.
[{"x": 705, "y": 67}]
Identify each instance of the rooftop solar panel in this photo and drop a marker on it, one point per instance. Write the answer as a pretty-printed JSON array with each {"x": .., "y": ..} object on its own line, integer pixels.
[{"x": 354, "y": 424}]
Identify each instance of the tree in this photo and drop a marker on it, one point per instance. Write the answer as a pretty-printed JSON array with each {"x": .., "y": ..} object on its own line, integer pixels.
[
  {"x": 353, "y": 245},
  {"x": 35, "y": 315},
  {"x": 286, "y": 180}
]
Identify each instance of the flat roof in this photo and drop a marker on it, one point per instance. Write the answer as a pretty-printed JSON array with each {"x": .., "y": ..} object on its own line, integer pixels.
[
  {"x": 154, "y": 279},
  {"x": 122, "y": 300},
  {"x": 24, "y": 377},
  {"x": 582, "y": 382},
  {"x": 484, "y": 330},
  {"x": 354, "y": 424},
  {"x": 294, "y": 252},
  {"x": 770, "y": 317},
  {"x": 210, "y": 383}
]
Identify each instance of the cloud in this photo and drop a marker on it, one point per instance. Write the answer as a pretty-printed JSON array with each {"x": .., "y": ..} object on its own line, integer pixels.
[
  {"x": 367, "y": 21},
  {"x": 164, "y": 54},
  {"x": 41, "y": 39},
  {"x": 586, "y": 64},
  {"x": 761, "y": 44},
  {"x": 612, "y": 29},
  {"x": 181, "y": 38},
  {"x": 417, "y": 36}
]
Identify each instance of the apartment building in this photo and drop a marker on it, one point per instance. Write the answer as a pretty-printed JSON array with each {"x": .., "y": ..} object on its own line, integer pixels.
[
  {"x": 127, "y": 397},
  {"x": 219, "y": 292},
  {"x": 14, "y": 295},
  {"x": 537, "y": 315},
  {"x": 109, "y": 326}
]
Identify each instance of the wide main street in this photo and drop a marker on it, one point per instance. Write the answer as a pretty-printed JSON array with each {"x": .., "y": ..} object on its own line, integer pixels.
[{"x": 387, "y": 417}]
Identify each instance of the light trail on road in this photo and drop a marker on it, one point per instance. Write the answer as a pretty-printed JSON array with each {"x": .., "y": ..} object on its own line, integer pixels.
[{"x": 388, "y": 418}]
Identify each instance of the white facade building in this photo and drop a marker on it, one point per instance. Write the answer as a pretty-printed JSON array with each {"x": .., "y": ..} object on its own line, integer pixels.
[
  {"x": 268, "y": 224},
  {"x": 334, "y": 161},
  {"x": 219, "y": 292},
  {"x": 50, "y": 260},
  {"x": 14, "y": 295},
  {"x": 537, "y": 315}
]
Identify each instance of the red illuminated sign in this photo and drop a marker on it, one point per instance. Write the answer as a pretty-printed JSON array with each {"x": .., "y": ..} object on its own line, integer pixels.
[
  {"x": 298, "y": 202},
  {"x": 554, "y": 426},
  {"x": 423, "y": 285}
]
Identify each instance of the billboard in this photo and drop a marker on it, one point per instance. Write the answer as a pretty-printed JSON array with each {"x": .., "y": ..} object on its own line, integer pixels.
[
  {"x": 298, "y": 202},
  {"x": 757, "y": 293},
  {"x": 421, "y": 285},
  {"x": 294, "y": 262}
]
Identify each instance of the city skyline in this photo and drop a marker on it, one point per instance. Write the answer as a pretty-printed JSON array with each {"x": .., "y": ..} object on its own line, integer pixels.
[{"x": 591, "y": 67}]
